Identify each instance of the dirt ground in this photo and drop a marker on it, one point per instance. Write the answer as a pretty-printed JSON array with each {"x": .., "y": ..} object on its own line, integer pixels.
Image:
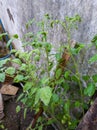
[{"x": 13, "y": 120}]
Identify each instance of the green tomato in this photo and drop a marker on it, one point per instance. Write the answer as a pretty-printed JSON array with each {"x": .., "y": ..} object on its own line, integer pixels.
[
  {"x": 64, "y": 117},
  {"x": 69, "y": 123},
  {"x": 63, "y": 121},
  {"x": 37, "y": 58}
]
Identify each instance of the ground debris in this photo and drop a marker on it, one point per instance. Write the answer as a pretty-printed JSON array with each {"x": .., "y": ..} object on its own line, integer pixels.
[{"x": 8, "y": 89}]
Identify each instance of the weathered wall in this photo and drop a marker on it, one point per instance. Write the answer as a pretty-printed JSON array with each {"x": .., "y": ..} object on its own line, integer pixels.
[{"x": 15, "y": 14}]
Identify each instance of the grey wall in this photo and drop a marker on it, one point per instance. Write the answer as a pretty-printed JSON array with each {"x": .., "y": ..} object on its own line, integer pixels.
[{"x": 15, "y": 14}]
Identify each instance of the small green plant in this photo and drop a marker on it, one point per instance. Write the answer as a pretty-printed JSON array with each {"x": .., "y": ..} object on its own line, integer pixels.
[
  {"x": 47, "y": 82},
  {"x": 2, "y": 127}
]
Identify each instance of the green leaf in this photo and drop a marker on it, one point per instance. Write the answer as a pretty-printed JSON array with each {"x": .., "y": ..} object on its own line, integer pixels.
[
  {"x": 66, "y": 86},
  {"x": 13, "y": 51},
  {"x": 94, "y": 40},
  {"x": 67, "y": 106},
  {"x": 59, "y": 81},
  {"x": 17, "y": 61},
  {"x": 40, "y": 127},
  {"x": 1, "y": 35},
  {"x": 15, "y": 36},
  {"x": 86, "y": 77},
  {"x": 58, "y": 56},
  {"x": 47, "y": 46},
  {"x": 93, "y": 59},
  {"x": 66, "y": 75},
  {"x": 37, "y": 97},
  {"x": 29, "y": 23},
  {"x": 94, "y": 77},
  {"x": 33, "y": 91},
  {"x": 20, "y": 96},
  {"x": 90, "y": 90},
  {"x": 9, "y": 42},
  {"x": 44, "y": 80},
  {"x": 44, "y": 94},
  {"x": 2, "y": 77},
  {"x": 77, "y": 104},
  {"x": 18, "y": 108},
  {"x": 29, "y": 34},
  {"x": 58, "y": 73},
  {"x": 55, "y": 98},
  {"x": 10, "y": 71},
  {"x": 36, "y": 51},
  {"x": 37, "y": 58},
  {"x": 19, "y": 78},
  {"x": 3, "y": 62},
  {"x": 75, "y": 78},
  {"x": 23, "y": 67},
  {"x": 2, "y": 126},
  {"x": 27, "y": 86},
  {"x": 25, "y": 112}
]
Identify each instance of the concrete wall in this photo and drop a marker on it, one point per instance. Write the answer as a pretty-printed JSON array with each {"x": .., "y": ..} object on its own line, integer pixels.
[{"x": 15, "y": 14}]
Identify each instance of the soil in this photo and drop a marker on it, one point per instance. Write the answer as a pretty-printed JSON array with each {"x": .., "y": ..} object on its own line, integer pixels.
[{"x": 13, "y": 120}]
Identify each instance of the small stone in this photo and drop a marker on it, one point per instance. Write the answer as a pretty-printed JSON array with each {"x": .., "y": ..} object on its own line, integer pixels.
[{"x": 8, "y": 89}]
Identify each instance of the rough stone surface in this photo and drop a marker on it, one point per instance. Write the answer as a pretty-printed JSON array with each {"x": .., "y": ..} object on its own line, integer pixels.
[{"x": 15, "y": 14}]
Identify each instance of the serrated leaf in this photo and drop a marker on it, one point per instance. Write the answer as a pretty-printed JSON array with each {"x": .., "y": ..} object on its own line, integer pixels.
[
  {"x": 18, "y": 108},
  {"x": 90, "y": 90},
  {"x": 17, "y": 61},
  {"x": 44, "y": 94},
  {"x": 33, "y": 91},
  {"x": 58, "y": 73},
  {"x": 10, "y": 71},
  {"x": 19, "y": 78},
  {"x": 93, "y": 59},
  {"x": 2, "y": 77},
  {"x": 44, "y": 80},
  {"x": 23, "y": 67}
]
